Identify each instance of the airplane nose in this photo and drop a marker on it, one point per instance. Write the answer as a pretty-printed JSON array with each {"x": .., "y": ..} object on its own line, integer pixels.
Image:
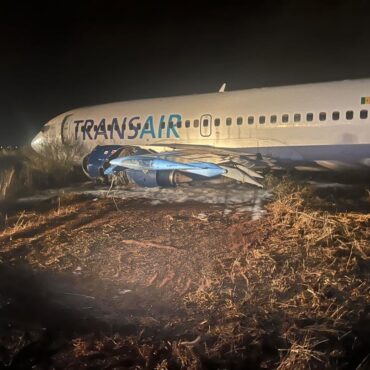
[{"x": 38, "y": 142}]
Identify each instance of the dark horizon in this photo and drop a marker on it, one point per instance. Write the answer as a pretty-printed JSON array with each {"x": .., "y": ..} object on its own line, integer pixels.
[{"x": 57, "y": 57}]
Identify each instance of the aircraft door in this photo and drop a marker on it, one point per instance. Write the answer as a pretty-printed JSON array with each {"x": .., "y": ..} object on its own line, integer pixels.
[
  {"x": 66, "y": 129},
  {"x": 206, "y": 125}
]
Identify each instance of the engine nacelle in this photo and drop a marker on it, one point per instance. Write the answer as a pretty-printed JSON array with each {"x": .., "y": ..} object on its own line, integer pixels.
[
  {"x": 153, "y": 179},
  {"x": 98, "y": 160}
]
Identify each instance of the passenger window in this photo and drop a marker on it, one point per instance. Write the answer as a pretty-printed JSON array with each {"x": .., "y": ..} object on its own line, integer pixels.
[
  {"x": 217, "y": 122},
  {"x": 297, "y": 117},
  {"x": 349, "y": 114},
  {"x": 228, "y": 121},
  {"x": 309, "y": 117},
  {"x": 179, "y": 124},
  {"x": 262, "y": 119},
  {"x": 364, "y": 114},
  {"x": 322, "y": 116},
  {"x": 205, "y": 122},
  {"x": 285, "y": 118},
  {"x": 187, "y": 123},
  {"x": 336, "y": 116},
  {"x": 196, "y": 123},
  {"x": 250, "y": 120},
  {"x": 273, "y": 118},
  {"x": 239, "y": 120}
]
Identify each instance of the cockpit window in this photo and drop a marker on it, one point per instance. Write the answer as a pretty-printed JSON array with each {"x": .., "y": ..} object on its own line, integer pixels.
[{"x": 45, "y": 129}]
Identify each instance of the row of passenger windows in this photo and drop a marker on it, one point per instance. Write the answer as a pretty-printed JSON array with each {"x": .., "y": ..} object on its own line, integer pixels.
[{"x": 284, "y": 118}]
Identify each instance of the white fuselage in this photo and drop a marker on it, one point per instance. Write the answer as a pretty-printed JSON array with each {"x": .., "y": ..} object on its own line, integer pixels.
[{"x": 313, "y": 122}]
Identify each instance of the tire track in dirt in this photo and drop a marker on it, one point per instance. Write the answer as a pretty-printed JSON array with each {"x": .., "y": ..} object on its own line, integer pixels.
[
  {"x": 118, "y": 242},
  {"x": 17, "y": 243}
]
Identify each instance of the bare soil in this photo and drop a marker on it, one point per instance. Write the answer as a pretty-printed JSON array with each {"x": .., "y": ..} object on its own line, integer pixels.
[{"x": 125, "y": 284}]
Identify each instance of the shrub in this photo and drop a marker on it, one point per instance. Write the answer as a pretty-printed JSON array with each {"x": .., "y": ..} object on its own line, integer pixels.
[{"x": 24, "y": 171}]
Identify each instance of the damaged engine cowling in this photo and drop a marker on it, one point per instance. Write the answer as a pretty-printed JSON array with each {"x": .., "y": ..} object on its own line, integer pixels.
[
  {"x": 97, "y": 162},
  {"x": 157, "y": 178}
]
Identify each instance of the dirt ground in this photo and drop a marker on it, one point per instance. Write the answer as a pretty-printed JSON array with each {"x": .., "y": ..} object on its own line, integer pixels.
[{"x": 125, "y": 284}]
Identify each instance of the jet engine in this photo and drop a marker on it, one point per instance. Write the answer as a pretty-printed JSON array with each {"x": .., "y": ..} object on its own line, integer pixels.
[
  {"x": 150, "y": 169},
  {"x": 97, "y": 161},
  {"x": 152, "y": 179},
  {"x": 95, "y": 164}
]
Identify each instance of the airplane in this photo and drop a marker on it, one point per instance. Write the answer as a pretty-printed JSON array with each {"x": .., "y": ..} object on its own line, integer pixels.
[{"x": 174, "y": 140}]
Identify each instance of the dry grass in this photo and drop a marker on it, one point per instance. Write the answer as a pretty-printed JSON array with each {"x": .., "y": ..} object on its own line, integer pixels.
[
  {"x": 302, "y": 273},
  {"x": 24, "y": 171},
  {"x": 289, "y": 292},
  {"x": 56, "y": 159},
  {"x": 302, "y": 356}
]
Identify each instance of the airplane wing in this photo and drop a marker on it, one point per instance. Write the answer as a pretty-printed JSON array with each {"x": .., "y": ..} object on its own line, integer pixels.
[
  {"x": 206, "y": 151},
  {"x": 193, "y": 148}
]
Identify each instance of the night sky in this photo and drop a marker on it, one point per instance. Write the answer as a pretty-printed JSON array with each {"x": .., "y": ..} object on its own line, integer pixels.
[{"x": 60, "y": 56}]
